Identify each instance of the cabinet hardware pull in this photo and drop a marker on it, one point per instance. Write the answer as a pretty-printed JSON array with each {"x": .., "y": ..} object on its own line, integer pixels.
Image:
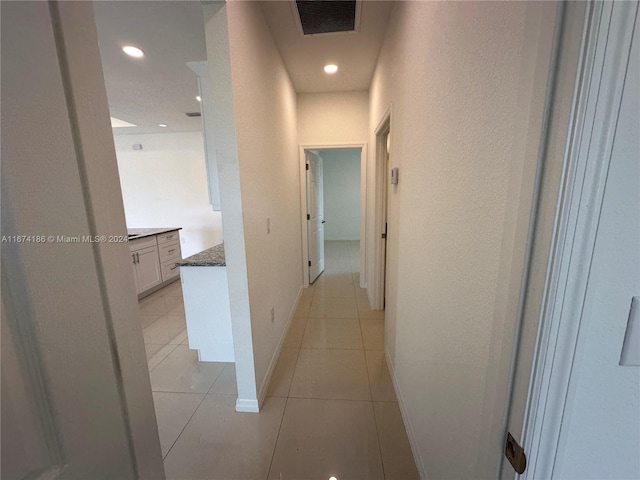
[
  {"x": 138, "y": 257},
  {"x": 174, "y": 267},
  {"x": 172, "y": 250},
  {"x": 133, "y": 255}
]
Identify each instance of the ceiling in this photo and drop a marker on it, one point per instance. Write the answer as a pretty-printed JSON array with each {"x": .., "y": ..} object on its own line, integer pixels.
[
  {"x": 160, "y": 88},
  {"x": 355, "y": 53}
]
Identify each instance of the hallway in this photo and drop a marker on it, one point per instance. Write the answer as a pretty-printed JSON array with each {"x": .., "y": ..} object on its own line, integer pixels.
[{"x": 331, "y": 409}]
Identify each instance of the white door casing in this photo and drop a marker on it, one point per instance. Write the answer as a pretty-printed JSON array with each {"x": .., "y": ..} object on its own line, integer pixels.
[{"x": 315, "y": 215}]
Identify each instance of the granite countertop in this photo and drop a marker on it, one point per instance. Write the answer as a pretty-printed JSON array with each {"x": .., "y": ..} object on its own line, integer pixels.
[
  {"x": 211, "y": 257},
  {"x": 135, "y": 233}
]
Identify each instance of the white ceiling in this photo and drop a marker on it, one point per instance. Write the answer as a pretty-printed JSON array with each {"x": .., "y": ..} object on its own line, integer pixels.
[
  {"x": 158, "y": 88},
  {"x": 355, "y": 53}
]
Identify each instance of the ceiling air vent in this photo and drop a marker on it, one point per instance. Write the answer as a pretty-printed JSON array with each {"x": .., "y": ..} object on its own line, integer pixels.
[
  {"x": 193, "y": 114},
  {"x": 326, "y": 16}
]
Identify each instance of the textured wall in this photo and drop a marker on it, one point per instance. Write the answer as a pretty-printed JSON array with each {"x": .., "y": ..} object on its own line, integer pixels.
[
  {"x": 457, "y": 76},
  {"x": 333, "y": 118},
  {"x": 265, "y": 112},
  {"x": 165, "y": 185}
]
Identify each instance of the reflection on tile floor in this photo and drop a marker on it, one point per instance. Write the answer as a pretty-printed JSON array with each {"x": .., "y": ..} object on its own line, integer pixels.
[{"x": 330, "y": 410}]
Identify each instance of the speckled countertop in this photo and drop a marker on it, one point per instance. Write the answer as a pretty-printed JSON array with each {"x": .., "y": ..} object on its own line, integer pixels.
[
  {"x": 135, "y": 233},
  {"x": 211, "y": 257}
]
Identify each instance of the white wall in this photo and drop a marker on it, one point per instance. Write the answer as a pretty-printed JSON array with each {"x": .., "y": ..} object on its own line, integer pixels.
[
  {"x": 462, "y": 83},
  {"x": 333, "y": 118},
  {"x": 165, "y": 185},
  {"x": 259, "y": 173},
  {"x": 600, "y": 435},
  {"x": 341, "y": 193}
]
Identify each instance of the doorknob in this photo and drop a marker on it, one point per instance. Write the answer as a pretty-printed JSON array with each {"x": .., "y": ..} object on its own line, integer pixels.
[{"x": 324, "y": 221}]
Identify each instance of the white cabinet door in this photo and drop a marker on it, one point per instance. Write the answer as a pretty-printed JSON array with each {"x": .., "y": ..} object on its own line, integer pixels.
[{"x": 148, "y": 268}]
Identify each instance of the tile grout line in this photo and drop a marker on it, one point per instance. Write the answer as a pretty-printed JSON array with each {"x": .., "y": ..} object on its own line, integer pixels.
[
  {"x": 275, "y": 445},
  {"x": 204, "y": 396}
]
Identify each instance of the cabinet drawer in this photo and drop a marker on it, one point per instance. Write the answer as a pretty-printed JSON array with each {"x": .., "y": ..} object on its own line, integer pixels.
[
  {"x": 139, "y": 243},
  {"x": 170, "y": 251},
  {"x": 170, "y": 270},
  {"x": 168, "y": 237}
]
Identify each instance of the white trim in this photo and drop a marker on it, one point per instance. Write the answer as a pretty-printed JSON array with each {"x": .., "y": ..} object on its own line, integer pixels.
[
  {"x": 276, "y": 354},
  {"x": 363, "y": 205},
  {"x": 605, "y": 53},
  {"x": 376, "y": 295},
  {"x": 247, "y": 405},
  {"x": 417, "y": 458}
]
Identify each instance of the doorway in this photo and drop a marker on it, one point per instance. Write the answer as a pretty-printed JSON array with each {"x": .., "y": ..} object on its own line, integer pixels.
[
  {"x": 381, "y": 227},
  {"x": 333, "y": 180}
]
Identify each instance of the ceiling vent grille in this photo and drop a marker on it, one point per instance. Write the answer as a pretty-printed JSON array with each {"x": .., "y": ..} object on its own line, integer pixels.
[{"x": 332, "y": 16}]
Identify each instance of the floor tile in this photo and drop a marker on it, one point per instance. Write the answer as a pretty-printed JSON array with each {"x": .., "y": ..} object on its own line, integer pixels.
[
  {"x": 173, "y": 411},
  {"x": 331, "y": 374},
  {"x": 219, "y": 443},
  {"x": 304, "y": 304},
  {"x": 160, "y": 355},
  {"x": 372, "y": 333},
  {"x": 172, "y": 290},
  {"x": 152, "y": 305},
  {"x": 295, "y": 333},
  {"x": 320, "y": 439},
  {"x": 146, "y": 320},
  {"x": 364, "y": 309},
  {"x": 182, "y": 372},
  {"x": 226, "y": 383},
  {"x": 381, "y": 385},
  {"x": 332, "y": 333},
  {"x": 335, "y": 289},
  {"x": 283, "y": 373},
  {"x": 165, "y": 330},
  {"x": 332, "y": 307},
  {"x": 397, "y": 458}
]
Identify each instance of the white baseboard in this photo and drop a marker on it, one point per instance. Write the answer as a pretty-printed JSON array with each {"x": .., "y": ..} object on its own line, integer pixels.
[
  {"x": 417, "y": 458},
  {"x": 274, "y": 359},
  {"x": 247, "y": 405}
]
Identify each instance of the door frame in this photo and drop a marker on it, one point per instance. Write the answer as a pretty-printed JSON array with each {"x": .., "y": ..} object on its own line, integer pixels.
[
  {"x": 363, "y": 204},
  {"x": 605, "y": 53},
  {"x": 376, "y": 294}
]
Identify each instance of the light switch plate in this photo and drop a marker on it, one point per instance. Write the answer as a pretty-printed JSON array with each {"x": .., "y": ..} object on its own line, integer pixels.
[{"x": 631, "y": 348}]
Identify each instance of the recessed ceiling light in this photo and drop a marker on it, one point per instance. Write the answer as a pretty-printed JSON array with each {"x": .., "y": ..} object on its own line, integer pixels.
[
  {"x": 133, "y": 51},
  {"x": 162, "y": 125},
  {"x": 199, "y": 98},
  {"x": 330, "y": 68}
]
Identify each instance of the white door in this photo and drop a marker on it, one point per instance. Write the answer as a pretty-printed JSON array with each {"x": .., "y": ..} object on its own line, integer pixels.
[
  {"x": 315, "y": 215},
  {"x": 76, "y": 398},
  {"x": 147, "y": 268}
]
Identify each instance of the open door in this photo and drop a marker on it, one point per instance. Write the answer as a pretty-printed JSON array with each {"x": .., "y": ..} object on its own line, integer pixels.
[
  {"x": 76, "y": 396},
  {"x": 315, "y": 215}
]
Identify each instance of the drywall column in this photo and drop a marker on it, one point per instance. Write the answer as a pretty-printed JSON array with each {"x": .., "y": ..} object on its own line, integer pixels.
[
  {"x": 70, "y": 306},
  {"x": 223, "y": 123}
]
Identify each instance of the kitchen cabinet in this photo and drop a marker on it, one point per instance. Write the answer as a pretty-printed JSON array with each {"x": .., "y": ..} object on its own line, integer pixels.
[{"x": 154, "y": 258}]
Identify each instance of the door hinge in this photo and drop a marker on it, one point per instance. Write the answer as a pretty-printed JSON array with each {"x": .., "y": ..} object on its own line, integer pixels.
[
  {"x": 309, "y": 262},
  {"x": 515, "y": 454},
  {"x": 384, "y": 235},
  {"x": 307, "y": 166},
  {"x": 308, "y": 217}
]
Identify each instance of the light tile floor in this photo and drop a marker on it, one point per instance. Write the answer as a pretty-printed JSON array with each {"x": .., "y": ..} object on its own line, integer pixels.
[{"x": 331, "y": 409}]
